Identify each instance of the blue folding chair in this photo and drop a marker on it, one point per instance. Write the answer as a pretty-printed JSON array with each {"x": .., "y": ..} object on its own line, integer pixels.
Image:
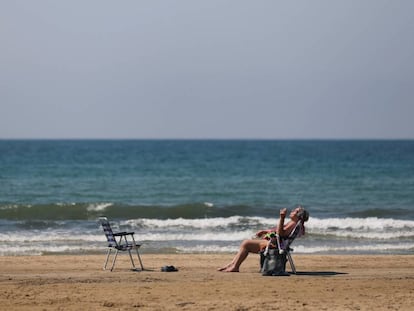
[{"x": 119, "y": 241}]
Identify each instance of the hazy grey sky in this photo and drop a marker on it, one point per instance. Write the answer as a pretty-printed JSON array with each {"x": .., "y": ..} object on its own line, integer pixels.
[{"x": 207, "y": 69}]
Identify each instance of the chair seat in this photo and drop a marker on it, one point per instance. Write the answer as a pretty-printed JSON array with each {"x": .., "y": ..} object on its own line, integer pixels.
[{"x": 124, "y": 247}]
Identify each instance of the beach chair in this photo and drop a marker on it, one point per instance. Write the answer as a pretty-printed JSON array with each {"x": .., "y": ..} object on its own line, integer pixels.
[
  {"x": 119, "y": 241},
  {"x": 283, "y": 245}
]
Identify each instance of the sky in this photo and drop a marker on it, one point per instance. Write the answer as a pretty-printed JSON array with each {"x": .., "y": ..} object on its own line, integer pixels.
[{"x": 211, "y": 69}]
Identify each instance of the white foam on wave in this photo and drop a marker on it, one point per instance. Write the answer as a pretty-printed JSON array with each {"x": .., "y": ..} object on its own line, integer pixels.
[
  {"x": 368, "y": 228},
  {"x": 300, "y": 249},
  {"x": 200, "y": 222},
  {"x": 9, "y": 206},
  {"x": 98, "y": 207},
  {"x": 209, "y": 249},
  {"x": 363, "y": 248},
  {"x": 39, "y": 249},
  {"x": 220, "y": 235},
  {"x": 203, "y": 236},
  {"x": 372, "y": 223},
  {"x": 49, "y": 236}
]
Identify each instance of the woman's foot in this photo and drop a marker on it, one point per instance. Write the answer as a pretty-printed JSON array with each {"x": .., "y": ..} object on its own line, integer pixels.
[
  {"x": 231, "y": 269},
  {"x": 225, "y": 267}
]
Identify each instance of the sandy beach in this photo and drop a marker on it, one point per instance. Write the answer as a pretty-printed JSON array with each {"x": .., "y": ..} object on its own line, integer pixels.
[{"x": 324, "y": 282}]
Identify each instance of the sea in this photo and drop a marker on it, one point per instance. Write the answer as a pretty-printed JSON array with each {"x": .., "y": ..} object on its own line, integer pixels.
[{"x": 205, "y": 196}]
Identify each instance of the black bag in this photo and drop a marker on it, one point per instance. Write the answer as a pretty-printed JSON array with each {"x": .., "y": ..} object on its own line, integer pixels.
[{"x": 272, "y": 263}]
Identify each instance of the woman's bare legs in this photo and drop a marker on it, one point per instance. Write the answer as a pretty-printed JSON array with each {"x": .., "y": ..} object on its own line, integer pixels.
[{"x": 247, "y": 246}]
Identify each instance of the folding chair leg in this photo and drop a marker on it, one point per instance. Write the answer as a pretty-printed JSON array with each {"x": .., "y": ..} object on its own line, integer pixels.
[
  {"x": 292, "y": 265},
  {"x": 113, "y": 262},
  {"x": 139, "y": 258},
  {"x": 107, "y": 258},
  {"x": 132, "y": 260}
]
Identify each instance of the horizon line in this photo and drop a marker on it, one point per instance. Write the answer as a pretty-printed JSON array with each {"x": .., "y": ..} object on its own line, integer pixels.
[{"x": 207, "y": 138}]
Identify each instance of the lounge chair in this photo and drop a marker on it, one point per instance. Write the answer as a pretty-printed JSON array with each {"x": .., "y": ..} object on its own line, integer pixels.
[
  {"x": 119, "y": 241},
  {"x": 283, "y": 245}
]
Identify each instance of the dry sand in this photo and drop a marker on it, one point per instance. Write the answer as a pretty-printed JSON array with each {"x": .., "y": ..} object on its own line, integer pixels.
[{"x": 351, "y": 282}]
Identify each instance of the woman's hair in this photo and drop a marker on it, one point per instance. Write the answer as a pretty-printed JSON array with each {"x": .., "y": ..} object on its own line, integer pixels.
[{"x": 302, "y": 214}]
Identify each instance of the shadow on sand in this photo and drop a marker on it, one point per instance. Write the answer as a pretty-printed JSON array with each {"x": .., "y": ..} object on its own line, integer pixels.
[{"x": 319, "y": 273}]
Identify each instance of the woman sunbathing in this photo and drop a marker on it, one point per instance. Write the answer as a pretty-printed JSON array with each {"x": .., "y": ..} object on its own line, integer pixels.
[{"x": 255, "y": 246}]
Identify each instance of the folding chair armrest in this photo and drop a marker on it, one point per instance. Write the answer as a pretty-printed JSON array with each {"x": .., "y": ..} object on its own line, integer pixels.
[
  {"x": 120, "y": 233},
  {"x": 123, "y": 233}
]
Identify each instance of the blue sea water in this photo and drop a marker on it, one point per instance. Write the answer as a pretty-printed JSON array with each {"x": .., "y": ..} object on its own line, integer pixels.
[{"x": 205, "y": 195}]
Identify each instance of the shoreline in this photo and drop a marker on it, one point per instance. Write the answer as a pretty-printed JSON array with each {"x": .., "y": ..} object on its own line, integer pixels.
[
  {"x": 323, "y": 282},
  {"x": 168, "y": 253}
]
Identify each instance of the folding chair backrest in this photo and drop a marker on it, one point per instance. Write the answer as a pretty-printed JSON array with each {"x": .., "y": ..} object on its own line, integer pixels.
[
  {"x": 108, "y": 232},
  {"x": 296, "y": 232}
]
